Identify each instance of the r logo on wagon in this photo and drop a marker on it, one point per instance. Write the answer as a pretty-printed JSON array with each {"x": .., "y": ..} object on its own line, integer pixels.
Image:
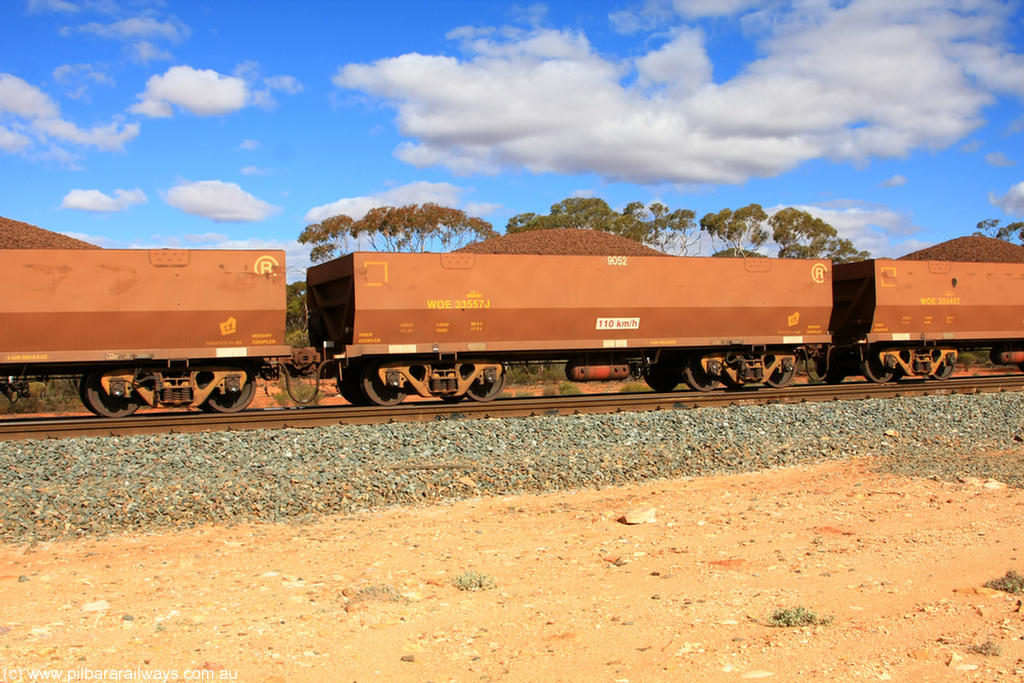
[
  {"x": 818, "y": 273},
  {"x": 265, "y": 265},
  {"x": 618, "y": 324}
]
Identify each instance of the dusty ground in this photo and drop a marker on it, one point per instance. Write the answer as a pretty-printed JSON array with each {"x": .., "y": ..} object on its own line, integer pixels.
[{"x": 898, "y": 564}]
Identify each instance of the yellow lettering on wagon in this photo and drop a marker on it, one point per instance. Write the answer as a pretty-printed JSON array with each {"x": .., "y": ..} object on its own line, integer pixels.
[{"x": 940, "y": 301}]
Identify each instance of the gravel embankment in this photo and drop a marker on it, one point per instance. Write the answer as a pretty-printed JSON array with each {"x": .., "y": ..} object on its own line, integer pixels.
[{"x": 96, "y": 486}]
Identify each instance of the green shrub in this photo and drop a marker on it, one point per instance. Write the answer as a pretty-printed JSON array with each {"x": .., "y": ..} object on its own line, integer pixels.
[
  {"x": 54, "y": 396},
  {"x": 474, "y": 581},
  {"x": 634, "y": 387},
  {"x": 568, "y": 388},
  {"x": 1012, "y": 582},
  {"x": 535, "y": 373},
  {"x": 792, "y": 617},
  {"x": 989, "y": 648}
]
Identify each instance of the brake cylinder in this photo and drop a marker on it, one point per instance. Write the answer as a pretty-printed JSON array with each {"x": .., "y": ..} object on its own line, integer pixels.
[{"x": 584, "y": 372}]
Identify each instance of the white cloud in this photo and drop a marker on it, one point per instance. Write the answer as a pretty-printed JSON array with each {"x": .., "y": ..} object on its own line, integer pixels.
[
  {"x": 111, "y": 137},
  {"x": 144, "y": 52},
  {"x": 12, "y": 141},
  {"x": 480, "y": 208},
  {"x": 255, "y": 170},
  {"x": 203, "y": 92},
  {"x": 25, "y": 100},
  {"x": 419, "y": 192},
  {"x": 96, "y": 201},
  {"x": 897, "y": 180},
  {"x": 39, "y": 114},
  {"x": 75, "y": 78},
  {"x": 218, "y": 201},
  {"x": 249, "y": 144},
  {"x": 135, "y": 28},
  {"x": 286, "y": 84},
  {"x": 999, "y": 159},
  {"x": 714, "y": 8},
  {"x": 1012, "y": 202},
  {"x": 847, "y": 81},
  {"x": 35, "y": 6}
]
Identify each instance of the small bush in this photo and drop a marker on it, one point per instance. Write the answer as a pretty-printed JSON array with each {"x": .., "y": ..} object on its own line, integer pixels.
[
  {"x": 792, "y": 617},
  {"x": 1012, "y": 582},
  {"x": 54, "y": 396},
  {"x": 989, "y": 648},
  {"x": 302, "y": 388},
  {"x": 634, "y": 387},
  {"x": 474, "y": 581},
  {"x": 569, "y": 389},
  {"x": 536, "y": 373}
]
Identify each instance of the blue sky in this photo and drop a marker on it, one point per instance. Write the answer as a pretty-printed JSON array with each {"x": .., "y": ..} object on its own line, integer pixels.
[{"x": 229, "y": 123}]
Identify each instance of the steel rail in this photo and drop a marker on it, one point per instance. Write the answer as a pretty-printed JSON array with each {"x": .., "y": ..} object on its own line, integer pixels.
[{"x": 318, "y": 416}]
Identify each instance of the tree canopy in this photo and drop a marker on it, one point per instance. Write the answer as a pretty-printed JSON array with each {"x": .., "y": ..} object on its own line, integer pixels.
[
  {"x": 413, "y": 227},
  {"x": 740, "y": 233},
  {"x": 801, "y": 235},
  {"x": 1011, "y": 232},
  {"x": 656, "y": 225}
]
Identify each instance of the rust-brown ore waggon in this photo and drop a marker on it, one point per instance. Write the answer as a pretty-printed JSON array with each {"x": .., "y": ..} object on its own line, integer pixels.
[
  {"x": 445, "y": 324},
  {"x": 158, "y": 327},
  {"x": 895, "y": 318}
]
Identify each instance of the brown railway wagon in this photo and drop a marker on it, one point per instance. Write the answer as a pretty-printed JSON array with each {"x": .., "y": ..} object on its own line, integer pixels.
[
  {"x": 896, "y": 318},
  {"x": 448, "y": 308},
  {"x": 163, "y": 327}
]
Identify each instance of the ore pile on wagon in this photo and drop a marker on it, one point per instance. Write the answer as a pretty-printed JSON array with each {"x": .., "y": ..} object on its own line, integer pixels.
[
  {"x": 18, "y": 235},
  {"x": 565, "y": 242},
  {"x": 972, "y": 248}
]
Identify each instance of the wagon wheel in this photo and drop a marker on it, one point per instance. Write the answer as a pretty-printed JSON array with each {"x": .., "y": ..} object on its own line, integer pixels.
[
  {"x": 945, "y": 371},
  {"x": 874, "y": 371},
  {"x": 834, "y": 376},
  {"x": 780, "y": 377},
  {"x": 377, "y": 391},
  {"x": 727, "y": 381},
  {"x": 227, "y": 402},
  {"x": 663, "y": 378},
  {"x": 350, "y": 386},
  {"x": 696, "y": 377},
  {"x": 100, "y": 402},
  {"x": 486, "y": 392}
]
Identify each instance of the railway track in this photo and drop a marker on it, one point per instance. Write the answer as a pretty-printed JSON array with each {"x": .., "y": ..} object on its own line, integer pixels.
[{"x": 275, "y": 418}]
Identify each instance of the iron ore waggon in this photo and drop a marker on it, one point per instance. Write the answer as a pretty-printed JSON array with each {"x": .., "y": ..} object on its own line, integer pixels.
[
  {"x": 196, "y": 328},
  {"x": 904, "y": 318},
  {"x": 163, "y": 327},
  {"x": 445, "y": 325}
]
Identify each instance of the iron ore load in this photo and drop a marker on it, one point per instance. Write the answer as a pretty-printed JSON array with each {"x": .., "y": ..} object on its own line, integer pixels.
[{"x": 196, "y": 328}]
